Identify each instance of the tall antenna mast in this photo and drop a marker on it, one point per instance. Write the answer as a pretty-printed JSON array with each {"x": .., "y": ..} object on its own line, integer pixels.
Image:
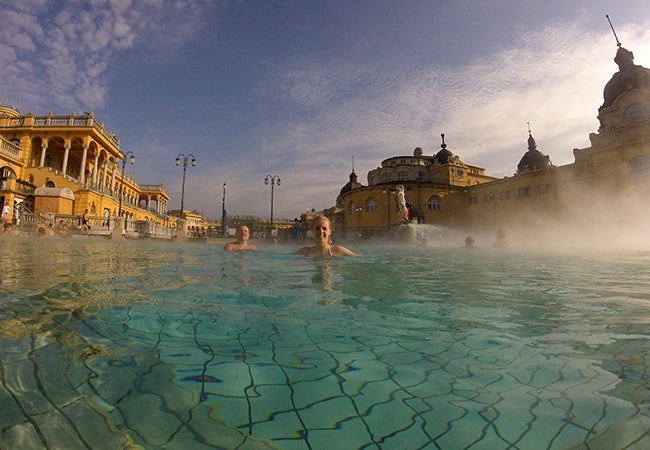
[
  {"x": 618, "y": 43},
  {"x": 353, "y": 164}
]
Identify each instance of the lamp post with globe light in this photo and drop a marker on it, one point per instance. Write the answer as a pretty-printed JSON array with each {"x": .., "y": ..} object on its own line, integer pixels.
[
  {"x": 131, "y": 160},
  {"x": 273, "y": 180},
  {"x": 223, "y": 211},
  {"x": 184, "y": 159}
]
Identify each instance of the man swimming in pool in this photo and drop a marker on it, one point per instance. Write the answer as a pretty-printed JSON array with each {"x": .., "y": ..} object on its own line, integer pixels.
[{"x": 243, "y": 234}]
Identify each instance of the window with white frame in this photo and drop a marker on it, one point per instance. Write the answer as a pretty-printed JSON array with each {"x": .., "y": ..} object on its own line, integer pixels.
[
  {"x": 434, "y": 203},
  {"x": 371, "y": 205}
]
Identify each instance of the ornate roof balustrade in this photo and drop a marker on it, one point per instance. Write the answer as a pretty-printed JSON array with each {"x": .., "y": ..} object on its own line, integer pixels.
[
  {"x": 85, "y": 120},
  {"x": 128, "y": 179},
  {"x": 153, "y": 187}
]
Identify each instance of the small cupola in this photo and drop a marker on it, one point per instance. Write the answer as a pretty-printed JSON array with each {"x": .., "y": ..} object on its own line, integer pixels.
[
  {"x": 444, "y": 156},
  {"x": 533, "y": 159}
]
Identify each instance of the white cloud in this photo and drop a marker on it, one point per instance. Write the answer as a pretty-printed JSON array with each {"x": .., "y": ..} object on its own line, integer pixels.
[
  {"x": 552, "y": 78},
  {"x": 69, "y": 45}
]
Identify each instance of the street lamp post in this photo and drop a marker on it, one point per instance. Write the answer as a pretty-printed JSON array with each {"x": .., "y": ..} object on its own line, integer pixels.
[
  {"x": 131, "y": 160},
  {"x": 273, "y": 179},
  {"x": 223, "y": 212},
  {"x": 179, "y": 158}
]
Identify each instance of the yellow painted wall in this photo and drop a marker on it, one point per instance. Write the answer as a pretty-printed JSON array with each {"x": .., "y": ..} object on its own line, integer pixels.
[{"x": 56, "y": 205}]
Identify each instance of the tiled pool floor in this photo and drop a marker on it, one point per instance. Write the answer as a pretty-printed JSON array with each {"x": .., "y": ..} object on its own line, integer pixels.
[
  {"x": 143, "y": 376},
  {"x": 184, "y": 347}
]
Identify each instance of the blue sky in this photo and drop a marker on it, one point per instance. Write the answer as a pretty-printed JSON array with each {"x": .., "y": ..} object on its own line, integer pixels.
[{"x": 299, "y": 88}]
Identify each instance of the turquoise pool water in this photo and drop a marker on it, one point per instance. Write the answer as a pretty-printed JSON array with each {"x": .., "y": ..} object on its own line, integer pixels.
[{"x": 138, "y": 344}]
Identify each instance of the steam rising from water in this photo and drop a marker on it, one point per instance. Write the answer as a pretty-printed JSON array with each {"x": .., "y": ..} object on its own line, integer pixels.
[{"x": 594, "y": 222}]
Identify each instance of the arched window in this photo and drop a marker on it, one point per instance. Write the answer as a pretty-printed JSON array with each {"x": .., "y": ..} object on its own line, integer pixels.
[
  {"x": 434, "y": 203},
  {"x": 7, "y": 172},
  {"x": 351, "y": 208},
  {"x": 639, "y": 169},
  {"x": 371, "y": 204},
  {"x": 634, "y": 112}
]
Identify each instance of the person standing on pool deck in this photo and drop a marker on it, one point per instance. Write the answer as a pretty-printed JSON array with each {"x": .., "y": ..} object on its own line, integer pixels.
[
  {"x": 6, "y": 210},
  {"x": 322, "y": 230},
  {"x": 85, "y": 226},
  {"x": 243, "y": 234}
]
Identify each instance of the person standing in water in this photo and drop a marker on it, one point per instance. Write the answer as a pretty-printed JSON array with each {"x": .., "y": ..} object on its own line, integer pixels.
[
  {"x": 322, "y": 230},
  {"x": 243, "y": 234},
  {"x": 501, "y": 242}
]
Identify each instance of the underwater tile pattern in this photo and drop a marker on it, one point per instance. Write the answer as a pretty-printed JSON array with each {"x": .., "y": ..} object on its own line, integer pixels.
[
  {"x": 151, "y": 378},
  {"x": 176, "y": 357}
]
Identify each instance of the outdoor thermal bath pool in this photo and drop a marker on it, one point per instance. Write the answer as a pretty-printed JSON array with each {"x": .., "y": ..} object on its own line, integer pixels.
[{"x": 140, "y": 344}]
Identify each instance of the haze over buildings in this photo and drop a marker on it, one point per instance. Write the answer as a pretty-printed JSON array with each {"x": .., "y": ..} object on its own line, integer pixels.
[{"x": 298, "y": 89}]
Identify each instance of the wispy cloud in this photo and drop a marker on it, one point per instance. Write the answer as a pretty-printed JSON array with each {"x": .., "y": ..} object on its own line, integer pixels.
[
  {"x": 552, "y": 78},
  {"x": 320, "y": 112},
  {"x": 58, "y": 53}
]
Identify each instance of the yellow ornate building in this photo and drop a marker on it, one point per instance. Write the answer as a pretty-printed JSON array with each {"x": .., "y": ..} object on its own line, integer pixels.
[
  {"x": 44, "y": 157},
  {"x": 606, "y": 185},
  {"x": 429, "y": 182}
]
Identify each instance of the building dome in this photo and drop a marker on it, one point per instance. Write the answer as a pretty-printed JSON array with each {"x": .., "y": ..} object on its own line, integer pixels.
[
  {"x": 533, "y": 159},
  {"x": 629, "y": 76},
  {"x": 444, "y": 156},
  {"x": 352, "y": 184},
  {"x": 8, "y": 111}
]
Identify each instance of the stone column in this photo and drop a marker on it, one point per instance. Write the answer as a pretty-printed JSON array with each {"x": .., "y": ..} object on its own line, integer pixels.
[
  {"x": 113, "y": 179},
  {"x": 66, "y": 155},
  {"x": 104, "y": 175},
  {"x": 43, "y": 150},
  {"x": 95, "y": 171},
  {"x": 82, "y": 169}
]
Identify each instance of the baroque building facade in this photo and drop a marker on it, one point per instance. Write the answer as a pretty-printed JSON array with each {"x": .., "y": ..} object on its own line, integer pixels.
[
  {"x": 607, "y": 184},
  {"x": 64, "y": 165}
]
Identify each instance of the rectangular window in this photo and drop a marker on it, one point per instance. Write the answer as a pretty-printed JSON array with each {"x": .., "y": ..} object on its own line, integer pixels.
[
  {"x": 402, "y": 175},
  {"x": 525, "y": 192},
  {"x": 505, "y": 195},
  {"x": 544, "y": 188}
]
